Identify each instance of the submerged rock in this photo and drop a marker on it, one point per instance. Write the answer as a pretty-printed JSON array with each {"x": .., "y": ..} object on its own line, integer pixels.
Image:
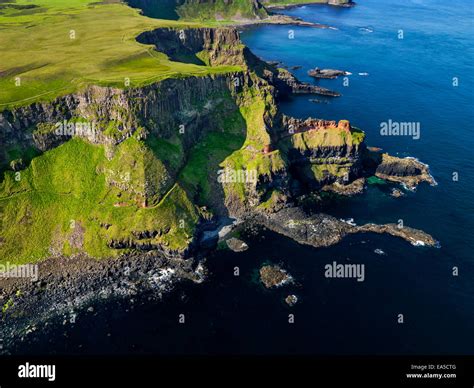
[
  {"x": 274, "y": 276},
  {"x": 291, "y": 300},
  {"x": 396, "y": 193}
]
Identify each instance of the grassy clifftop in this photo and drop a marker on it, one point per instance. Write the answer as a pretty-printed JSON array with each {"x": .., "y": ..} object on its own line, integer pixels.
[{"x": 51, "y": 48}]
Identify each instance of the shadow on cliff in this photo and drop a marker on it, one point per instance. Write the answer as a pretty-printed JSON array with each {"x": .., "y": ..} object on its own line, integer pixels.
[{"x": 209, "y": 140}]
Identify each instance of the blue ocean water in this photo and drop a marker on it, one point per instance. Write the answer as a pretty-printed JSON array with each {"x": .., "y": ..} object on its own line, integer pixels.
[{"x": 409, "y": 79}]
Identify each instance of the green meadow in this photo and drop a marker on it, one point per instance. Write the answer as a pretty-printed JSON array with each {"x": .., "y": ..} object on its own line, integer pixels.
[{"x": 54, "y": 47}]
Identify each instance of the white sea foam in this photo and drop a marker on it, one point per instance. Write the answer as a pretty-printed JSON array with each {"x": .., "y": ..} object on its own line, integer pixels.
[{"x": 349, "y": 221}]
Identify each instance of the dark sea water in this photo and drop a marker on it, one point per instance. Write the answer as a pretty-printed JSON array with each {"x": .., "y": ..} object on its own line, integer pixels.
[{"x": 408, "y": 79}]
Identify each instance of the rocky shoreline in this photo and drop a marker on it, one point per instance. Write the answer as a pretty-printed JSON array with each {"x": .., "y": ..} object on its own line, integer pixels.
[{"x": 66, "y": 285}]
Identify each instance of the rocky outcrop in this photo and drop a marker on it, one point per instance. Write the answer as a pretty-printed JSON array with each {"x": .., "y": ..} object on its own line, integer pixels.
[
  {"x": 396, "y": 193},
  {"x": 297, "y": 87},
  {"x": 407, "y": 171},
  {"x": 236, "y": 245},
  {"x": 413, "y": 236},
  {"x": 321, "y": 230},
  {"x": 274, "y": 276},
  {"x": 326, "y": 73},
  {"x": 341, "y": 3},
  {"x": 291, "y": 300},
  {"x": 322, "y": 152},
  {"x": 353, "y": 188}
]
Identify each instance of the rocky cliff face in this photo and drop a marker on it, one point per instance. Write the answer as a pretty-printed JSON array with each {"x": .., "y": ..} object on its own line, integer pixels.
[
  {"x": 210, "y": 46},
  {"x": 162, "y": 109}
]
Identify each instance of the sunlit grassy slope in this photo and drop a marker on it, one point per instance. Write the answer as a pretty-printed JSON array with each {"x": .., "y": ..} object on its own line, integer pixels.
[
  {"x": 63, "y": 204},
  {"x": 53, "y": 47}
]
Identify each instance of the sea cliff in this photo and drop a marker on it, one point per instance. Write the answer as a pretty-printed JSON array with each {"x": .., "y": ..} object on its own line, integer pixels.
[{"x": 151, "y": 165}]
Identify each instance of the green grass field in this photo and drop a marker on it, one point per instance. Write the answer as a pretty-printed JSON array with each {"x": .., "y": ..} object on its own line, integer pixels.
[{"x": 53, "y": 47}]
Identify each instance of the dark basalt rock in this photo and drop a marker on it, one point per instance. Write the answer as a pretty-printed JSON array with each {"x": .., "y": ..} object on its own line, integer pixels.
[{"x": 408, "y": 171}]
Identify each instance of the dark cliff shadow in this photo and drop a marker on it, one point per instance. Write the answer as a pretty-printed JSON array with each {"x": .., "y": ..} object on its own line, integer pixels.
[
  {"x": 177, "y": 47},
  {"x": 17, "y": 157},
  {"x": 157, "y": 9}
]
